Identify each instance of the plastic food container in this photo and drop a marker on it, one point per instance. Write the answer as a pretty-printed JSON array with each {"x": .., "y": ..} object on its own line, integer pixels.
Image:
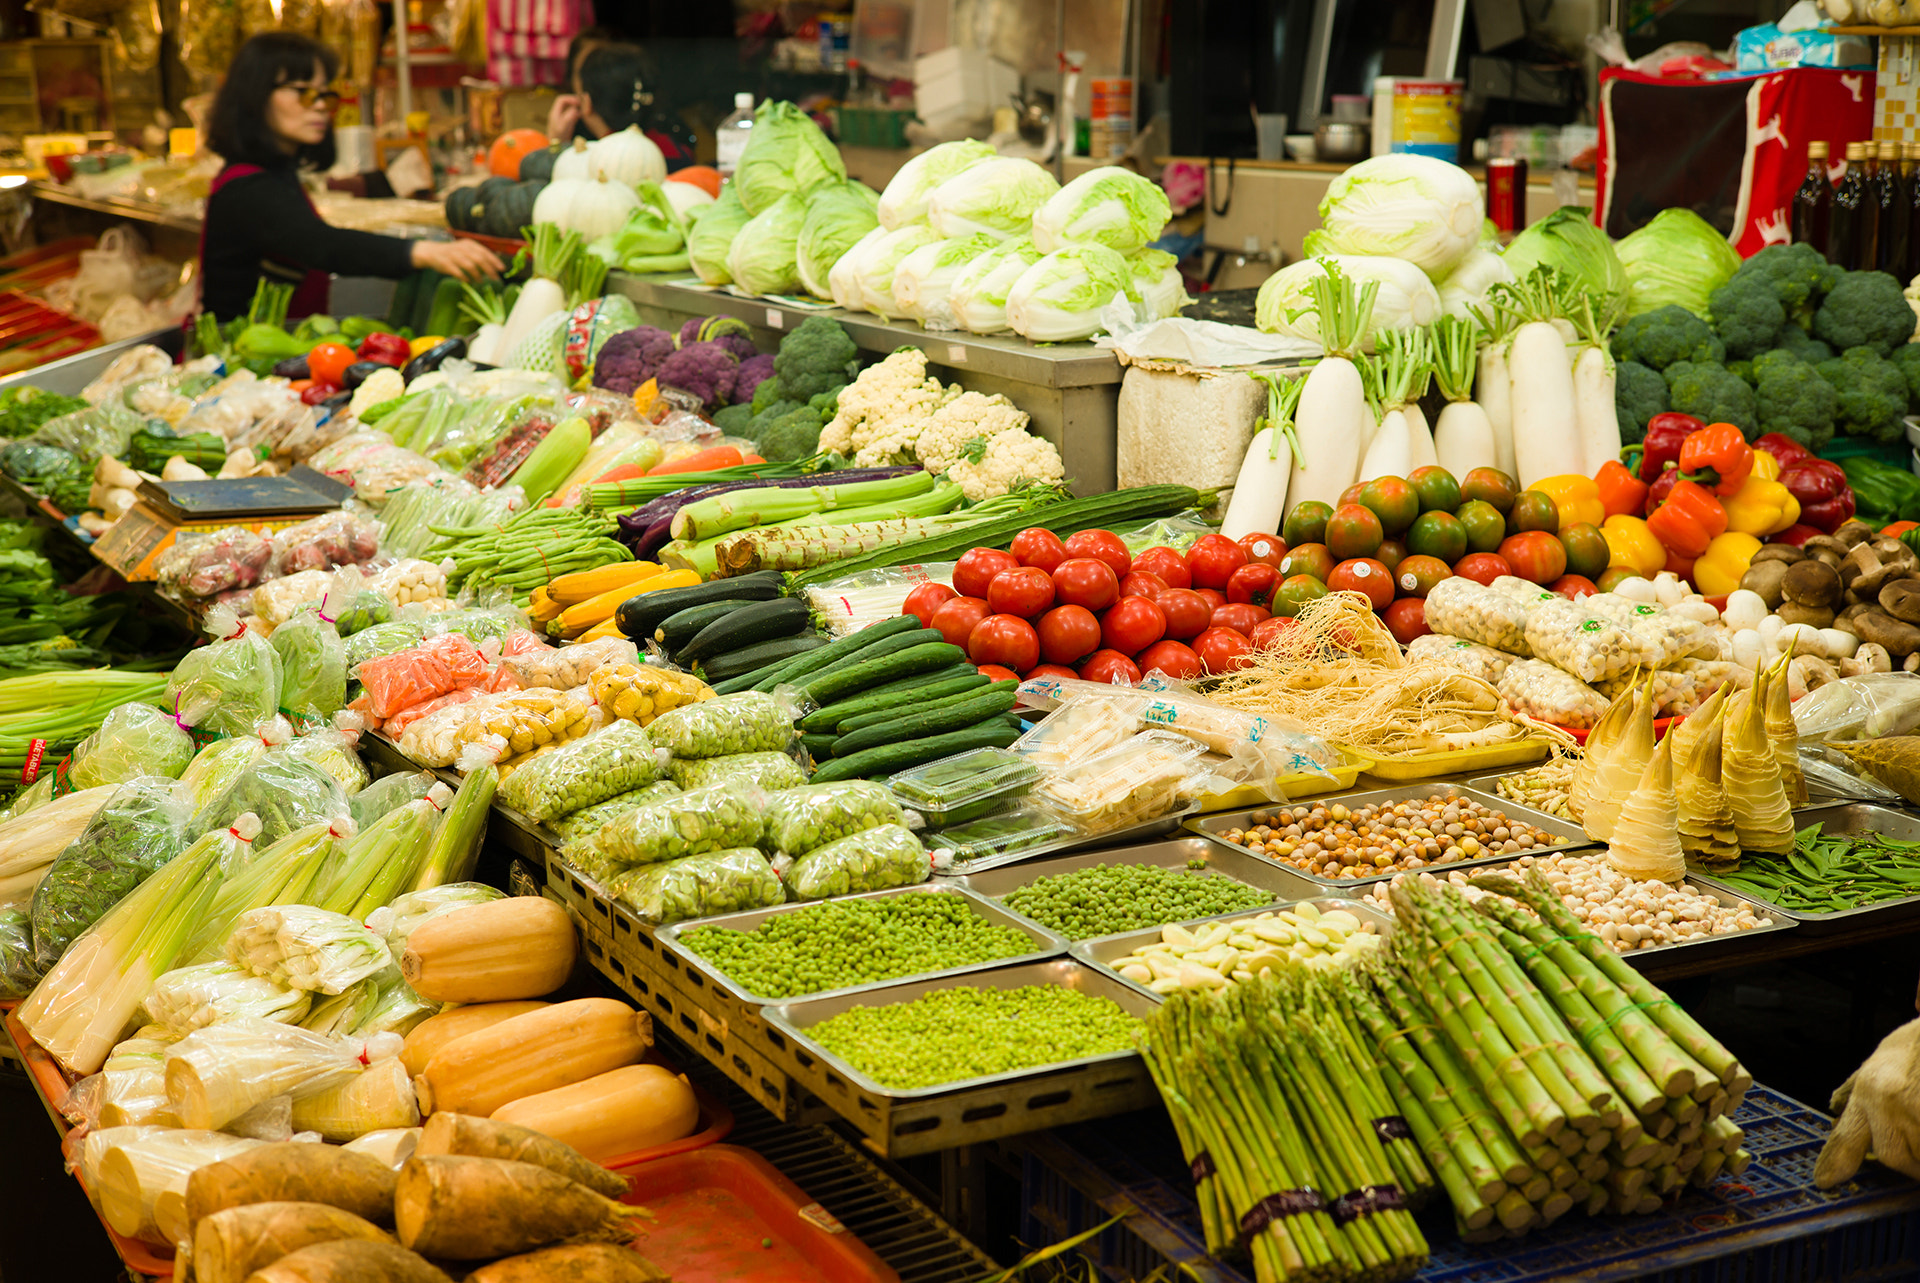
[
  {"x": 1025, "y": 828},
  {"x": 1140, "y": 780},
  {"x": 965, "y": 786}
]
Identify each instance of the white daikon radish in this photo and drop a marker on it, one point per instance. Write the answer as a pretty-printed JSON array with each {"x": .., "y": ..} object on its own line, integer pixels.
[
  {"x": 1463, "y": 438},
  {"x": 553, "y": 252},
  {"x": 1333, "y": 403},
  {"x": 1259, "y": 500},
  {"x": 1546, "y": 435},
  {"x": 1419, "y": 432},
  {"x": 1593, "y": 395},
  {"x": 1493, "y": 389},
  {"x": 1401, "y": 366}
]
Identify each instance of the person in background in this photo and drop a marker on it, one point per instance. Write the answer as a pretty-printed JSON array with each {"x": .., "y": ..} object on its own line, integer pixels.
[
  {"x": 563, "y": 118},
  {"x": 613, "y": 92},
  {"x": 273, "y": 118}
]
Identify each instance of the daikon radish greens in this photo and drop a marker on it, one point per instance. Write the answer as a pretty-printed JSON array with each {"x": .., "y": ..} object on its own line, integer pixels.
[
  {"x": 1402, "y": 364},
  {"x": 1546, "y": 429},
  {"x": 1784, "y": 735},
  {"x": 1706, "y": 816},
  {"x": 1762, "y": 817},
  {"x": 1646, "y": 834},
  {"x": 1333, "y": 414},
  {"x": 1259, "y": 501},
  {"x": 1618, "y": 773},
  {"x": 1463, "y": 436}
]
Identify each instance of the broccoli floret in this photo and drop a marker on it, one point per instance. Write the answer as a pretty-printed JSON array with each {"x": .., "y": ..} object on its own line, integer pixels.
[
  {"x": 1743, "y": 370},
  {"x": 793, "y": 435},
  {"x": 753, "y": 371},
  {"x": 1906, "y": 358},
  {"x": 735, "y": 420},
  {"x": 1872, "y": 393},
  {"x": 1866, "y": 309},
  {"x": 1712, "y": 395},
  {"x": 818, "y": 355},
  {"x": 1803, "y": 345},
  {"x": 1793, "y": 399},
  {"x": 769, "y": 392},
  {"x": 825, "y": 403},
  {"x": 1639, "y": 393},
  {"x": 1798, "y": 275},
  {"x": 1747, "y": 315},
  {"x": 630, "y": 358},
  {"x": 1667, "y": 334}
]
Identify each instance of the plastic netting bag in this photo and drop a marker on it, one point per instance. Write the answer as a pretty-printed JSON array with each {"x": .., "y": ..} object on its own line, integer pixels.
[
  {"x": 699, "y": 886},
  {"x": 768, "y": 770},
  {"x": 1460, "y": 607},
  {"x": 517, "y": 723},
  {"x": 1682, "y": 686},
  {"x": 190, "y": 998},
  {"x": 423, "y": 672},
  {"x": 1663, "y": 636},
  {"x": 381, "y": 639},
  {"x": 230, "y": 686},
  {"x": 19, "y": 971},
  {"x": 302, "y": 947},
  {"x": 30, "y": 843},
  {"x": 697, "y": 821},
  {"x": 141, "y": 827},
  {"x": 395, "y": 922},
  {"x": 313, "y": 669},
  {"x": 1551, "y": 694},
  {"x": 749, "y": 722},
  {"x": 887, "y": 856},
  {"x": 799, "y": 820},
  {"x": 642, "y": 692},
  {"x": 1529, "y": 594},
  {"x": 133, "y": 740},
  {"x": 568, "y": 666},
  {"x": 286, "y": 792},
  {"x": 216, "y": 562},
  {"x": 1471, "y": 658},
  {"x": 1586, "y": 645},
  {"x": 588, "y": 770},
  {"x": 216, "y": 1074},
  {"x": 213, "y": 771},
  {"x": 387, "y": 794}
]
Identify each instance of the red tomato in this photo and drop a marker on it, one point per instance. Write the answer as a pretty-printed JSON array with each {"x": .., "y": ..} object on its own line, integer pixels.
[
  {"x": 1068, "y": 634},
  {"x": 1406, "y": 619},
  {"x": 1366, "y": 576},
  {"x": 1482, "y": 567},
  {"x": 1267, "y": 631},
  {"x": 1143, "y": 583},
  {"x": 1187, "y": 612},
  {"x": 1241, "y": 616},
  {"x": 1573, "y": 587},
  {"x": 1166, "y": 563},
  {"x": 1110, "y": 666},
  {"x": 956, "y": 619},
  {"x": 1268, "y": 549},
  {"x": 998, "y": 673},
  {"x": 1039, "y": 546},
  {"x": 1222, "y": 650},
  {"x": 1255, "y": 582},
  {"x": 976, "y": 569},
  {"x": 1084, "y": 581},
  {"x": 1026, "y": 592},
  {"x": 1048, "y": 670},
  {"x": 1535, "y": 556},
  {"x": 1133, "y": 624},
  {"x": 1213, "y": 559},
  {"x": 1215, "y": 598},
  {"x": 924, "y": 600},
  {"x": 1101, "y": 545},
  {"x": 1171, "y": 658},
  {"x": 328, "y": 361},
  {"x": 1007, "y": 640}
]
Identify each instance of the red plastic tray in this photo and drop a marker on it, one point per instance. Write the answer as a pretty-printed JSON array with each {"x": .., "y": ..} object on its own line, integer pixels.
[{"x": 724, "y": 1215}]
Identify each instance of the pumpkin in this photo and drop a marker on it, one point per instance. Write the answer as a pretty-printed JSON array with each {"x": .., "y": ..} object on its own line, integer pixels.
[
  {"x": 572, "y": 163},
  {"x": 510, "y": 210},
  {"x": 593, "y": 208},
  {"x": 627, "y": 157},
  {"x": 705, "y": 177},
  {"x": 537, "y": 166},
  {"x": 459, "y": 207},
  {"x": 511, "y": 148}
]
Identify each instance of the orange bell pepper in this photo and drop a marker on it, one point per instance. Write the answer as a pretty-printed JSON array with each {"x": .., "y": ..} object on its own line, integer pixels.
[
  {"x": 1621, "y": 493},
  {"x": 1718, "y": 457},
  {"x": 1577, "y": 498},
  {"x": 1898, "y": 528},
  {"x": 1688, "y": 521}
]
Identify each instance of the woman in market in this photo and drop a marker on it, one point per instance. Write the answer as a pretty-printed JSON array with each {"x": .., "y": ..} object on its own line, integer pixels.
[
  {"x": 563, "y": 118},
  {"x": 612, "y": 89},
  {"x": 273, "y": 118}
]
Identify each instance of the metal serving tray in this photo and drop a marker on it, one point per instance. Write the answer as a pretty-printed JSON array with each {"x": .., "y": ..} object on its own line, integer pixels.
[
  {"x": 1211, "y": 827},
  {"x": 1844, "y": 817},
  {"x": 900, "y": 1122},
  {"x": 1074, "y": 840},
  {"x": 1105, "y": 953}
]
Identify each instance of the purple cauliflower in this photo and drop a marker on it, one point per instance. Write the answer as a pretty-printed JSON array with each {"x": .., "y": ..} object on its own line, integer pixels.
[
  {"x": 729, "y": 332},
  {"x": 690, "y": 330},
  {"x": 705, "y": 370},
  {"x": 630, "y": 358},
  {"x": 752, "y": 370}
]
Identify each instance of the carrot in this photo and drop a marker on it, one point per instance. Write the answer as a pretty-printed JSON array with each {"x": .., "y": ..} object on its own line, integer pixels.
[
  {"x": 575, "y": 1263},
  {"x": 474, "y": 1209},
  {"x": 482, "y": 1138},
  {"x": 720, "y": 456},
  {"x": 625, "y": 472},
  {"x": 231, "y": 1244},
  {"x": 350, "y": 1260},
  {"x": 291, "y": 1172},
  {"x": 751, "y": 458}
]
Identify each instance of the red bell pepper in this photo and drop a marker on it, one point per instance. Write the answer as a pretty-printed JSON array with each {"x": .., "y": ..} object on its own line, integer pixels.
[
  {"x": 1621, "y": 493},
  {"x": 316, "y": 392},
  {"x": 1689, "y": 520},
  {"x": 1796, "y": 535},
  {"x": 1718, "y": 457},
  {"x": 387, "y": 349},
  {"x": 1657, "y": 492},
  {"x": 1821, "y": 487},
  {"x": 1666, "y": 433},
  {"x": 1782, "y": 447}
]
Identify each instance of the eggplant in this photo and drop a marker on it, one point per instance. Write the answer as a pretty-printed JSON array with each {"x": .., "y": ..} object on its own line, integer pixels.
[
  {"x": 646, "y": 530},
  {"x": 359, "y": 372},
  {"x": 338, "y": 401},
  {"x": 294, "y": 367},
  {"x": 430, "y": 359}
]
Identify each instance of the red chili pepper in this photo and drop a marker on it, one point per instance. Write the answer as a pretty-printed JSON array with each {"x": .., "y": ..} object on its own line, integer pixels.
[
  {"x": 316, "y": 392},
  {"x": 387, "y": 349},
  {"x": 1821, "y": 487},
  {"x": 1666, "y": 433},
  {"x": 1718, "y": 457},
  {"x": 1254, "y": 582},
  {"x": 1782, "y": 447}
]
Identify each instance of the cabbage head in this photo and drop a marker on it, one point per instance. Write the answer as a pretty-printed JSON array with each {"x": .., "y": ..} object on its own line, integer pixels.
[
  {"x": 1406, "y": 297},
  {"x": 1676, "y": 258},
  {"x": 978, "y": 295},
  {"x": 905, "y": 199},
  {"x": 1568, "y": 241},
  {"x": 710, "y": 239},
  {"x": 837, "y": 217},
  {"x": 924, "y": 280},
  {"x": 882, "y": 259},
  {"x": 1156, "y": 279},
  {"x": 786, "y": 153},
  {"x": 762, "y": 260},
  {"x": 1418, "y": 208},
  {"x": 1059, "y": 298},
  {"x": 843, "y": 281},
  {"x": 1107, "y": 206},
  {"x": 1466, "y": 286},
  {"x": 996, "y": 196}
]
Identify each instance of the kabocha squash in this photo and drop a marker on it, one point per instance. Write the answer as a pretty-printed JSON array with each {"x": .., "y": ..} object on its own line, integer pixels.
[
  {"x": 619, "y": 1112},
  {"x": 459, "y": 207},
  {"x": 508, "y": 208},
  {"x": 519, "y": 947},
  {"x": 562, "y": 1044},
  {"x": 537, "y": 166},
  {"x": 435, "y": 1032}
]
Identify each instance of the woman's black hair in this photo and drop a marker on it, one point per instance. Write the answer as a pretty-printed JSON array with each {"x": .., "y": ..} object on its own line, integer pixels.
[
  {"x": 238, "y": 131},
  {"x": 619, "y": 79},
  {"x": 584, "y": 42}
]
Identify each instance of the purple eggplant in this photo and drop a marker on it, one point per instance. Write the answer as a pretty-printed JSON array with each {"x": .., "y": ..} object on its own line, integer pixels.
[{"x": 648, "y": 529}]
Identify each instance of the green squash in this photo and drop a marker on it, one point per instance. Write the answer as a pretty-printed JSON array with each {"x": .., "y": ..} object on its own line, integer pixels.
[
  {"x": 510, "y": 210},
  {"x": 537, "y": 166},
  {"x": 459, "y": 208}
]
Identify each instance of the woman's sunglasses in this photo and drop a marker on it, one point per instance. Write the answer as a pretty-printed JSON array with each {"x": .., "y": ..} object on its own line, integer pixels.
[{"x": 309, "y": 96}]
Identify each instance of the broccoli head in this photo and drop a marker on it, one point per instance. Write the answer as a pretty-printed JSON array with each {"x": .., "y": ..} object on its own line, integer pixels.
[
  {"x": 1711, "y": 394},
  {"x": 705, "y": 370},
  {"x": 1906, "y": 358},
  {"x": 793, "y": 435},
  {"x": 1798, "y": 275},
  {"x": 1747, "y": 315},
  {"x": 1872, "y": 393},
  {"x": 1803, "y": 345},
  {"x": 1667, "y": 334},
  {"x": 826, "y": 404},
  {"x": 1866, "y": 309},
  {"x": 735, "y": 420},
  {"x": 818, "y": 355},
  {"x": 1793, "y": 399},
  {"x": 1639, "y": 393},
  {"x": 630, "y": 358},
  {"x": 1742, "y": 370},
  {"x": 770, "y": 391},
  {"x": 753, "y": 371}
]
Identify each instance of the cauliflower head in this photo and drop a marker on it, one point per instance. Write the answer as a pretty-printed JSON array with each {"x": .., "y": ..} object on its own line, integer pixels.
[
  {"x": 882, "y": 413},
  {"x": 1008, "y": 458},
  {"x": 963, "y": 420}
]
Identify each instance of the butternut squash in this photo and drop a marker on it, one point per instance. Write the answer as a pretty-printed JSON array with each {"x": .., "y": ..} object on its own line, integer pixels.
[
  {"x": 435, "y": 1032},
  {"x": 553, "y": 1047},
  {"x": 612, "y": 1114},
  {"x": 519, "y": 947}
]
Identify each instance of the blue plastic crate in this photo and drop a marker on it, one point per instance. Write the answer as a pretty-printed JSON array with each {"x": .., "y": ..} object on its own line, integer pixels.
[{"x": 1767, "y": 1225}]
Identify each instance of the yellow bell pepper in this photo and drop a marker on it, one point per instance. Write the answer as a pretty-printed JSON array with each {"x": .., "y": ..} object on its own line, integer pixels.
[
  {"x": 1577, "y": 498},
  {"x": 1718, "y": 570},
  {"x": 425, "y": 343},
  {"x": 1760, "y": 507},
  {"x": 1633, "y": 545},
  {"x": 1765, "y": 466}
]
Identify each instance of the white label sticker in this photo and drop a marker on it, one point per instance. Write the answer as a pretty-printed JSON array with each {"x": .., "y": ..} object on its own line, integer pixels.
[
  {"x": 774, "y": 319},
  {"x": 956, "y": 354}
]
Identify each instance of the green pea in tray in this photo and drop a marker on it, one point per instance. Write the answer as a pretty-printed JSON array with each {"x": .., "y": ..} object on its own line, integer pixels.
[{"x": 1837, "y": 819}]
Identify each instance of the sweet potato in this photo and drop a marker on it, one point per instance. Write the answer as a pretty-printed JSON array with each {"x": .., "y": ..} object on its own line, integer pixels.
[
  {"x": 474, "y": 1209},
  {"x": 483, "y": 1138},
  {"x": 576, "y": 1263},
  {"x": 293, "y": 1172},
  {"x": 231, "y": 1244},
  {"x": 350, "y": 1260}
]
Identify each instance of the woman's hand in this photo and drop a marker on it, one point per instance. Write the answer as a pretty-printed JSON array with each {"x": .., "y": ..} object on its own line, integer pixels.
[
  {"x": 563, "y": 116},
  {"x": 464, "y": 259}
]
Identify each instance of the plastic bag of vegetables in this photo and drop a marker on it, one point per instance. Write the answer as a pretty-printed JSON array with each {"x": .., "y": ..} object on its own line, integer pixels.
[
  {"x": 134, "y": 740},
  {"x": 381, "y": 639},
  {"x": 18, "y": 969},
  {"x": 747, "y": 722},
  {"x": 213, "y": 771},
  {"x": 333, "y": 752},
  {"x": 141, "y": 827},
  {"x": 699, "y": 886},
  {"x": 284, "y": 791},
  {"x": 873, "y": 860},
  {"x": 588, "y": 770},
  {"x": 768, "y": 770},
  {"x": 802, "y": 819},
  {"x": 694, "y": 822},
  {"x": 218, "y": 1073},
  {"x": 363, "y": 610},
  {"x": 190, "y": 998},
  {"x": 387, "y": 794},
  {"x": 230, "y": 686},
  {"x": 30, "y": 843},
  {"x": 303, "y": 947},
  {"x": 313, "y": 669}
]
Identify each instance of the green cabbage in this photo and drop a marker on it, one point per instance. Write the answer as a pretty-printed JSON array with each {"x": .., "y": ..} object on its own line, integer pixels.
[
  {"x": 843, "y": 281},
  {"x": 711, "y": 238},
  {"x": 837, "y": 218},
  {"x": 1060, "y": 297},
  {"x": 761, "y": 260},
  {"x": 997, "y": 196},
  {"x": 1107, "y": 206},
  {"x": 786, "y": 154},
  {"x": 1568, "y": 241},
  {"x": 881, "y": 259},
  {"x": 1419, "y": 208},
  {"x": 1676, "y": 258},
  {"x": 1156, "y": 279},
  {"x": 1406, "y": 298},
  {"x": 978, "y": 295},
  {"x": 906, "y": 197},
  {"x": 924, "y": 279}
]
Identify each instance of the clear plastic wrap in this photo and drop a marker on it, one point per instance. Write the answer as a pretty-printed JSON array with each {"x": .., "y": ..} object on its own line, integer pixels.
[
  {"x": 18, "y": 969},
  {"x": 141, "y": 827},
  {"x": 396, "y": 726},
  {"x": 205, "y": 565},
  {"x": 1083, "y": 728},
  {"x": 338, "y": 1015},
  {"x": 749, "y": 722},
  {"x": 697, "y": 821},
  {"x": 1682, "y": 686},
  {"x": 313, "y": 669},
  {"x": 372, "y": 867},
  {"x": 566, "y": 667},
  {"x": 588, "y": 821},
  {"x": 412, "y": 510},
  {"x": 846, "y": 605},
  {"x": 231, "y": 685},
  {"x": 803, "y": 819},
  {"x": 434, "y": 738},
  {"x": 479, "y": 623},
  {"x": 289, "y": 871},
  {"x": 1144, "y": 779},
  {"x": 371, "y": 463},
  {"x": 770, "y": 771},
  {"x": 591, "y": 769},
  {"x": 408, "y": 581},
  {"x": 1460, "y": 607},
  {"x": 327, "y": 591},
  {"x": 286, "y": 792},
  {"x": 1589, "y": 647},
  {"x": 874, "y": 860},
  {"x": 190, "y": 998},
  {"x": 30, "y": 843},
  {"x": 699, "y": 886},
  {"x": 131, "y": 1168},
  {"x": 638, "y": 692},
  {"x": 1551, "y": 694},
  {"x": 213, "y": 771},
  {"x": 395, "y": 922},
  {"x": 1524, "y": 591},
  {"x": 1854, "y": 708},
  {"x": 133, "y": 740},
  {"x": 323, "y": 542},
  {"x": 360, "y": 612},
  {"x": 518, "y": 723},
  {"x": 388, "y": 793},
  {"x": 216, "y": 1074},
  {"x": 423, "y": 672},
  {"x": 967, "y": 785},
  {"x": 396, "y": 1009},
  {"x": 1471, "y": 658},
  {"x": 333, "y": 752},
  {"x": 382, "y": 639},
  {"x": 133, "y": 1083},
  {"x": 302, "y": 947},
  {"x": 1663, "y": 636}
]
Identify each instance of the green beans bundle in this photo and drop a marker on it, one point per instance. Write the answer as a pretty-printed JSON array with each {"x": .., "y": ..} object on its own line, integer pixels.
[
  {"x": 1110, "y": 898},
  {"x": 528, "y": 551}
]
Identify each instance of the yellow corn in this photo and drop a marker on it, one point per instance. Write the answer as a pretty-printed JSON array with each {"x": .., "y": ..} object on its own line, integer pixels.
[
  {"x": 541, "y": 607},
  {"x": 595, "y": 609},
  {"x": 584, "y": 585}
]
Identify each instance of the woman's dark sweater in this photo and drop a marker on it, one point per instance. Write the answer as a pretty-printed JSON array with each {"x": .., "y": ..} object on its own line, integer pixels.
[{"x": 264, "y": 225}]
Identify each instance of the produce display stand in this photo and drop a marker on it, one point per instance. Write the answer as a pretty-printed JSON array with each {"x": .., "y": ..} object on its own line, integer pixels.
[{"x": 140, "y": 211}]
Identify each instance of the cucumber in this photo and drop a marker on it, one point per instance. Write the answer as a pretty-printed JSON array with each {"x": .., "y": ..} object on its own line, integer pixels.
[
  {"x": 920, "y": 703},
  {"x": 819, "y": 745},
  {"x": 922, "y": 722},
  {"x": 676, "y": 631},
  {"x": 814, "y": 661},
  {"x": 759, "y": 622},
  {"x": 923, "y": 658},
  {"x": 890, "y": 645},
  {"x": 639, "y": 615},
  {"x": 950, "y": 680},
  {"x": 739, "y": 663},
  {"x": 898, "y": 757}
]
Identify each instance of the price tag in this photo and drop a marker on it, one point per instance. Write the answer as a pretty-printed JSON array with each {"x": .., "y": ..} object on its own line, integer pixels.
[
  {"x": 956, "y": 354},
  {"x": 774, "y": 319}
]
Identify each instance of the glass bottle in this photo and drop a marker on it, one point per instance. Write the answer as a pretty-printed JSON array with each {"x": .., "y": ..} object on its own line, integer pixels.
[
  {"x": 1813, "y": 203},
  {"x": 1890, "y": 216},
  {"x": 1852, "y": 235}
]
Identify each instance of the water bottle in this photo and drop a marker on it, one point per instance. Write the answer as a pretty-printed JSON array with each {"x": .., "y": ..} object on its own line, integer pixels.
[{"x": 731, "y": 138}]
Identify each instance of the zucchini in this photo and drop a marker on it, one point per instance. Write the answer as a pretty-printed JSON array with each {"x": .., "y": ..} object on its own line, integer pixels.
[
  {"x": 950, "y": 680},
  {"x": 816, "y": 660},
  {"x": 748, "y": 659},
  {"x": 676, "y": 631},
  {"x": 759, "y": 622},
  {"x": 918, "y": 703},
  {"x": 922, "y": 722},
  {"x": 639, "y": 615},
  {"x": 923, "y": 658},
  {"x": 898, "y": 757}
]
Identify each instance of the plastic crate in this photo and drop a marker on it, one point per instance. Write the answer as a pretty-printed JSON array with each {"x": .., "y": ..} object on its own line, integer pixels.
[{"x": 1767, "y": 1225}]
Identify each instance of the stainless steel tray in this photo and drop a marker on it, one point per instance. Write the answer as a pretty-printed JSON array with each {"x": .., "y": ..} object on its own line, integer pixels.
[
  {"x": 1844, "y": 817},
  {"x": 900, "y": 1122},
  {"x": 1103, "y": 953},
  {"x": 1165, "y": 826},
  {"x": 1212, "y": 826}
]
